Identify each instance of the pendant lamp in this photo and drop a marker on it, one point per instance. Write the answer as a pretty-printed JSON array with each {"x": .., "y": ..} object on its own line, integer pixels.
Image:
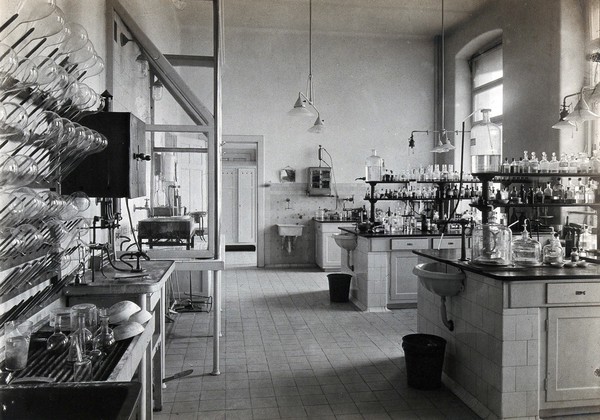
[{"x": 305, "y": 104}]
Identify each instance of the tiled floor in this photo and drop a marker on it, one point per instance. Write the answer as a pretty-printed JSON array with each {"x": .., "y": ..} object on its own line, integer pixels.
[{"x": 287, "y": 352}]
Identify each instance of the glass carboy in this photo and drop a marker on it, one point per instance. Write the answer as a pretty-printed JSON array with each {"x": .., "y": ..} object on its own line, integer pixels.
[
  {"x": 486, "y": 145},
  {"x": 373, "y": 167},
  {"x": 525, "y": 250},
  {"x": 492, "y": 243}
]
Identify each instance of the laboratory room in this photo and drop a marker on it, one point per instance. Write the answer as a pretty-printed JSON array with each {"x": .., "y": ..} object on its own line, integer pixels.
[{"x": 299, "y": 209}]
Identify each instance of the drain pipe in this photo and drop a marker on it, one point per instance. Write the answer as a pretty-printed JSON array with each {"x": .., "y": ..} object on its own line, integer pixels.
[
  {"x": 448, "y": 323},
  {"x": 350, "y": 266}
]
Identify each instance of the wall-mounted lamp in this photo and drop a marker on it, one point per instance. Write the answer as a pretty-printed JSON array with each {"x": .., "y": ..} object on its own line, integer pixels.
[
  {"x": 157, "y": 90},
  {"x": 143, "y": 66},
  {"x": 580, "y": 113},
  {"x": 443, "y": 145}
]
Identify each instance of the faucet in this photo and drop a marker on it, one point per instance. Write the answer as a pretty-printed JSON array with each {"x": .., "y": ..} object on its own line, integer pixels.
[{"x": 144, "y": 207}]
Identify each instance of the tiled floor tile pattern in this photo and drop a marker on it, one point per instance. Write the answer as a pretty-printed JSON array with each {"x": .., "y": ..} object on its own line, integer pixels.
[{"x": 287, "y": 352}]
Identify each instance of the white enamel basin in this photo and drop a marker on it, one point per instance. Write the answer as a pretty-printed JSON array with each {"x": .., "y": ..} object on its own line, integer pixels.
[
  {"x": 289, "y": 229},
  {"x": 346, "y": 241},
  {"x": 441, "y": 279}
]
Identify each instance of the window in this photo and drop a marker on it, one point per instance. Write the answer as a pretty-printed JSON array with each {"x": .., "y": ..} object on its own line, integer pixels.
[{"x": 486, "y": 77}]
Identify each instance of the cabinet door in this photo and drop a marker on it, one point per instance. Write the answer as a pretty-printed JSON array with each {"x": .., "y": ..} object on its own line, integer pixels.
[
  {"x": 403, "y": 283},
  {"x": 573, "y": 371},
  {"x": 229, "y": 211},
  {"x": 332, "y": 252},
  {"x": 246, "y": 205},
  {"x": 319, "y": 244}
]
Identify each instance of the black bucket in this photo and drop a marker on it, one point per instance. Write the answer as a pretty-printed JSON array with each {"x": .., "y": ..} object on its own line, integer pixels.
[
  {"x": 424, "y": 356},
  {"x": 339, "y": 287}
]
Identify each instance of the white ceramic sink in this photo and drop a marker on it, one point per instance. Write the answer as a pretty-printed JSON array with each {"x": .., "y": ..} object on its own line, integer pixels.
[
  {"x": 289, "y": 229},
  {"x": 441, "y": 279},
  {"x": 346, "y": 241}
]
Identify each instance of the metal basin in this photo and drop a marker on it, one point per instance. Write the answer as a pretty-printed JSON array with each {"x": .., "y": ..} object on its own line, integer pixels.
[
  {"x": 345, "y": 241},
  {"x": 441, "y": 279},
  {"x": 70, "y": 401}
]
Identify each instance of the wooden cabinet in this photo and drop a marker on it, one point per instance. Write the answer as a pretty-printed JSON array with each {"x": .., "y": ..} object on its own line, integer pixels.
[
  {"x": 403, "y": 283},
  {"x": 120, "y": 169},
  {"x": 239, "y": 205},
  {"x": 328, "y": 255},
  {"x": 573, "y": 375}
]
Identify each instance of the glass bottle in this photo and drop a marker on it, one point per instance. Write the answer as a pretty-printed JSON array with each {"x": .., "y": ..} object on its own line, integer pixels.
[
  {"x": 553, "y": 252},
  {"x": 595, "y": 162},
  {"x": 525, "y": 250},
  {"x": 534, "y": 164},
  {"x": 514, "y": 166},
  {"x": 558, "y": 193},
  {"x": 573, "y": 163},
  {"x": 82, "y": 366},
  {"x": 590, "y": 193},
  {"x": 554, "y": 163},
  {"x": 58, "y": 341},
  {"x": 538, "y": 195},
  {"x": 563, "y": 165},
  {"x": 524, "y": 163},
  {"x": 544, "y": 164},
  {"x": 548, "y": 193},
  {"x": 506, "y": 166},
  {"x": 373, "y": 167},
  {"x": 584, "y": 162},
  {"x": 492, "y": 243},
  {"x": 486, "y": 145}
]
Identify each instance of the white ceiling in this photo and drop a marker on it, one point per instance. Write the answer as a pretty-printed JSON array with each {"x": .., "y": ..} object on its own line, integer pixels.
[{"x": 412, "y": 18}]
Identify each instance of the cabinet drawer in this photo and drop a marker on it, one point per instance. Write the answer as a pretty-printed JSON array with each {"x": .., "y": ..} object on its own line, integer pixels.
[
  {"x": 573, "y": 293},
  {"x": 446, "y": 243},
  {"x": 410, "y": 243}
]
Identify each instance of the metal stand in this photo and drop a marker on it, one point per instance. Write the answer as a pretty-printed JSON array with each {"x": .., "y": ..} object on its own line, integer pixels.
[{"x": 201, "y": 304}]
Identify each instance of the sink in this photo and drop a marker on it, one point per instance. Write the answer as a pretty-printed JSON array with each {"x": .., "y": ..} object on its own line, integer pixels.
[
  {"x": 346, "y": 241},
  {"x": 289, "y": 229},
  {"x": 66, "y": 401},
  {"x": 441, "y": 279}
]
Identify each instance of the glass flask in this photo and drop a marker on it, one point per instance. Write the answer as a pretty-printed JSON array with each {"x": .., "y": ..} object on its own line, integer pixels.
[
  {"x": 82, "y": 366},
  {"x": 486, "y": 145},
  {"x": 104, "y": 339},
  {"x": 58, "y": 341},
  {"x": 373, "y": 167},
  {"x": 525, "y": 250},
  {"x": 587, "y": 240},
  {"x": 553, "y": 252},
  {"x": 82, "y": 333},
  {"x": 492, "y": 243}
]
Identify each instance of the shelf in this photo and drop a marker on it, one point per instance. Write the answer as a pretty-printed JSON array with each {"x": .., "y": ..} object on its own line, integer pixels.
[
  {"x": 504, "y": 205},
  {"x": 497, "y": 176}
]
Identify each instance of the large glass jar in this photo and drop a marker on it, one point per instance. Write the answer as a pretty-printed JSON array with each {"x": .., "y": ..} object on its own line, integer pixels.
[
  {"x": 492, "y": 243},
  {"x": 525, "y": 250},
  {"x": 486, "y": 145},
  {"x": 373, "y": 167}
]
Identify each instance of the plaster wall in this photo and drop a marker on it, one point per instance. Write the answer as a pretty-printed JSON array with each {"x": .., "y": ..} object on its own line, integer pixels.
[{"x": 543, "y": 61}]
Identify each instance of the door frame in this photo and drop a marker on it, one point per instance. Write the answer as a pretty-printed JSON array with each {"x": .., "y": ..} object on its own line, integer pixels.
[{"x": 259, "y": 141}]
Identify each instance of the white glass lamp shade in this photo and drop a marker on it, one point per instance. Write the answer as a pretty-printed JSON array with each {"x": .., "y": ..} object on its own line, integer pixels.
[
  {"x": 581, "y": 112},
  {"x": 318, "y": 127},
  {"x": 562, "y": 124},
  {"x": 157, "y": 90},
  {"x": 300, "y": 108},
  {"x": 143, "y": 66}
]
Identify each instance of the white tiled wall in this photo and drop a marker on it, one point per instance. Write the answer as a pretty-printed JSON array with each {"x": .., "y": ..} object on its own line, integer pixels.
[
  {"x": 300, "y": 209},
  {"x": 493, "y": 352}
]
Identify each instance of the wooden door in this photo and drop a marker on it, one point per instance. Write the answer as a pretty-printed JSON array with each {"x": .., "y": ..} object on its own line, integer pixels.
[
  {"x": 573, "y": 371},
  {"x": 229, "y": 205}
]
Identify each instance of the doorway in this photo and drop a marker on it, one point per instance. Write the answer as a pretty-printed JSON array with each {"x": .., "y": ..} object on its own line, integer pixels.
[{"x": 242, "y": 222}]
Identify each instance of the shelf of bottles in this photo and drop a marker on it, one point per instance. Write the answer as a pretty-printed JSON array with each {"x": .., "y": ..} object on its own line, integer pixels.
[
  {"x": 437, "y": 184},
  {"x": 44, "y": 63}
]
